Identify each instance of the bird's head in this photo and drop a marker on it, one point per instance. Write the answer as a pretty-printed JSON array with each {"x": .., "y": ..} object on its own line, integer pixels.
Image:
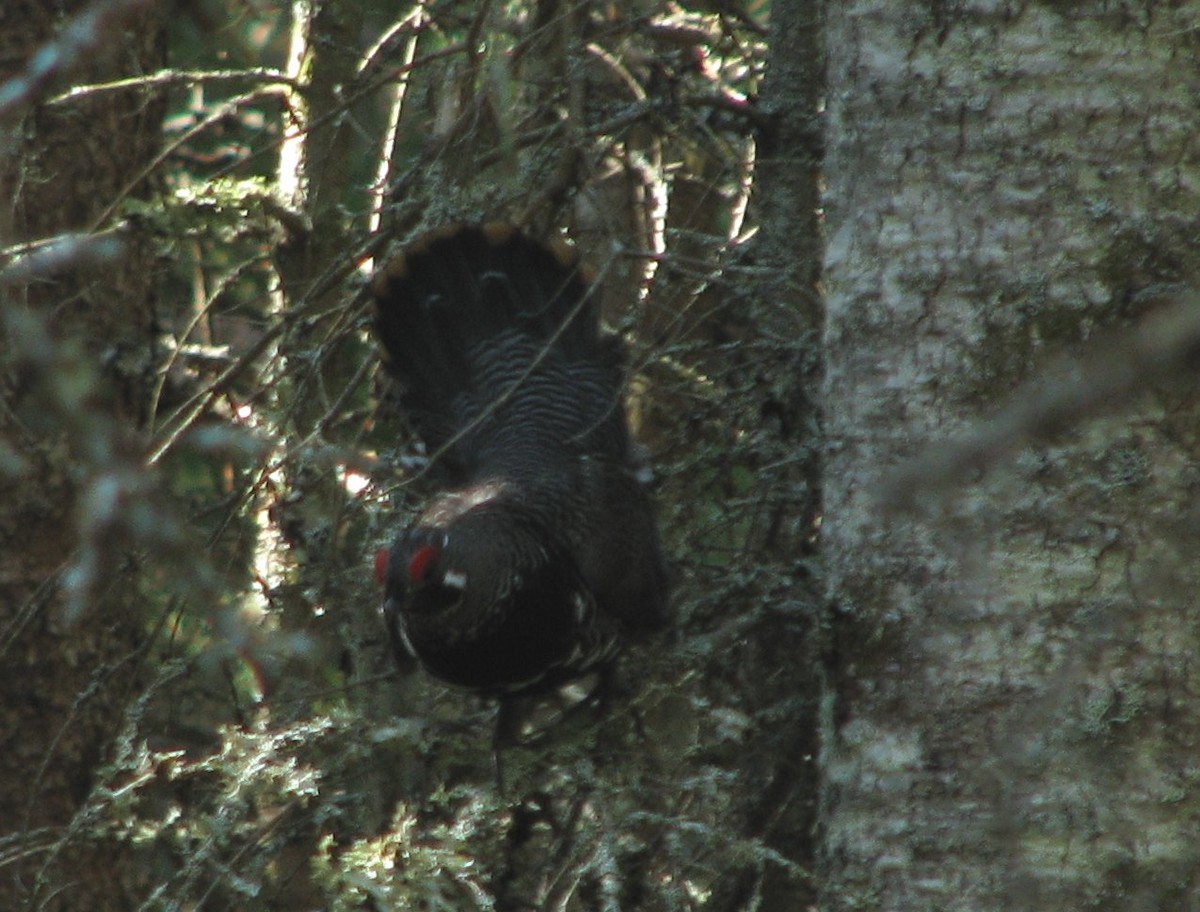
[{"x": 418, "y": 577}]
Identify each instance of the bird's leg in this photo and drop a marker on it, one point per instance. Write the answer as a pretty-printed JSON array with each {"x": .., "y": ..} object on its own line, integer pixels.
[{"x": 510, "y": 716}]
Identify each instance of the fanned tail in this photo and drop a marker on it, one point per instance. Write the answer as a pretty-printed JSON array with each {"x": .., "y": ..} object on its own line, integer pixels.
[{"x": 469, "y": 311}]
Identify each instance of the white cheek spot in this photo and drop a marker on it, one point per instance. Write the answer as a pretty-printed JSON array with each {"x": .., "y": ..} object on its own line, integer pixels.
[{"x": 455, "y": 579}]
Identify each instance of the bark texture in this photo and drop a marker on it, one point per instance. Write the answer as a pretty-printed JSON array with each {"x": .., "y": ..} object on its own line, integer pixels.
[{"x": 1012, "y": 719}]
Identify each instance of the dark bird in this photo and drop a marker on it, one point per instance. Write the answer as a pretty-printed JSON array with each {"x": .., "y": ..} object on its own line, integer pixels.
[{"x": 542, "y": 552}]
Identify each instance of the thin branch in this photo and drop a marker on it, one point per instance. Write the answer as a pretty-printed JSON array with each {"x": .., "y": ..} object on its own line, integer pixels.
[
  {"x": 216, "y": 116},
  {"x": 46, "y": 257},
  {"x": 86, "y": 32},
  {"x": 1107, "y": 376},
  {"x": 175, "y": 78}
]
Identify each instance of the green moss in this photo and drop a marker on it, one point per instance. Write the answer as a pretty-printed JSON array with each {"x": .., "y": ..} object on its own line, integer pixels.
[{"x": 1112, "y": 709}]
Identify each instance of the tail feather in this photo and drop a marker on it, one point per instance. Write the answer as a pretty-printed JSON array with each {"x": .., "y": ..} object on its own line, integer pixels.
[{"x": 467, "y": 312}]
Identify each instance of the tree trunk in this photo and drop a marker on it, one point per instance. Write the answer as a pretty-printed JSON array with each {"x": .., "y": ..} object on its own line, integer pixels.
[
  {"x": 65, "y": 679},
  {"x": 1011, "y": 723},
  {"x": 781, "y": 355}
]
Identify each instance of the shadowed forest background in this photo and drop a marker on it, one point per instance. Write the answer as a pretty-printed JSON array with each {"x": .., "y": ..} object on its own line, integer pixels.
[
  {"x": 907, "y": 293},
  {"x": 220, "y": 722}
]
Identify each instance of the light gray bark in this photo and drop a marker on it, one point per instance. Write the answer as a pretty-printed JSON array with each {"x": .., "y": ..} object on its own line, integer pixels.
[{"x": 1011, "y": 721}]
